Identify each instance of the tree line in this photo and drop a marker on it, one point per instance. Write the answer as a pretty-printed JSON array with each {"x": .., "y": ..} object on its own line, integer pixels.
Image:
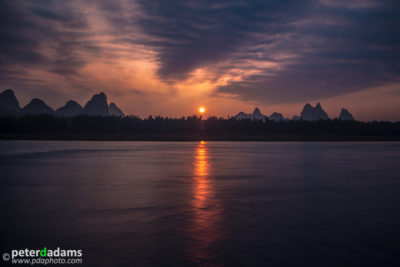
[{"x": 192, "y": 127}]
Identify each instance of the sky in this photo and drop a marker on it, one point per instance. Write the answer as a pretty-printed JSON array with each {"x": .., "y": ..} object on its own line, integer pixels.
[{"x": 168, "y": 58}]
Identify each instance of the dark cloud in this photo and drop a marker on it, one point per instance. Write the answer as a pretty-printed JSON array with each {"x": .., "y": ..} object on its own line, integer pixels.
[
  {"x": 17, "y": 42},
  {"x": 337, "y": 47},
  {"x": 314, "y": 48},
  {"x": 192, "y": 34},
  {"x": 40, "y": 35},
  {"x": 360, "y": 52}
]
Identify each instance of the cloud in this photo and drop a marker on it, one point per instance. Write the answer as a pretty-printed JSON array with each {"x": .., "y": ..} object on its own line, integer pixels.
[
  {"x": 195, "y": 34},
  {"x": 42, "y": 34},
  {"x": 263, "y": 51},
  {"x": 320, "y": 49}
]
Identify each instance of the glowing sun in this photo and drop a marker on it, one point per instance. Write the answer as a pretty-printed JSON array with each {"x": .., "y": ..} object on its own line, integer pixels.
[{"x": 202, "y": 110}]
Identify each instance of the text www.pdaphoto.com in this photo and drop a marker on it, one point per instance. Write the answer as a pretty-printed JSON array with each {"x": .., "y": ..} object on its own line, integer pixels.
[{"x": 44, "y": 256}]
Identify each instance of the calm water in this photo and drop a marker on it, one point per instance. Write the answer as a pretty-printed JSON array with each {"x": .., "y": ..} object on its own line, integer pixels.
[{"x": 208, "y": 204}]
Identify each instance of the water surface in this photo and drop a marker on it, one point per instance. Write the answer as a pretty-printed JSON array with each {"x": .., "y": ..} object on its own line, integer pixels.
[{"x": 204, "y": 203}]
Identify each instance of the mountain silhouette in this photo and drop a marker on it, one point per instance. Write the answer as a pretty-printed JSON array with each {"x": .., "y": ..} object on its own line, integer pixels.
[
  {"x": 295, "y": 118},
  {"x": 97, "y": 106},
  {"x": 345, "y": 115},
  {"x": 70, "y": 109},
  {"x": 37, "y": 107},
  {"x": 256, "y": 115},
  {"x": 242, "y": 116},
  {"x": 8, "y": 101},
  {"x": 310, "y": 113},
  {"x": 257, "y": 112},
  {"x": 276, "y": 116},
  {"x": 113, "y": 110}
]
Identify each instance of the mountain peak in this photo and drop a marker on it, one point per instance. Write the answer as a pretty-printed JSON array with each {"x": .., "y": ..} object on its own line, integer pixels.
[
  {"x": 37, "y": 101},
  {"x": 307, "y": 105},
  {"x": 70, "y": 109},
  {"x": 99, "y": 97},
  {"x": 97, "y": 105},
  {"x": 114, "y": 110},
  {"x": 36, "y": 107},
  {"x": 257, "y": 111},
  {"x": 276, "y": 116},
  {"x": 8, "y": 101},
  {"x": 295, "y": 118},
  {"x": 310, "y": 113},
  {"x": 71, "y": 103},
  {"x": 345, "y": 115},
  {"x": 256, "y": 115},
  {"x": 8, "y": 92}
]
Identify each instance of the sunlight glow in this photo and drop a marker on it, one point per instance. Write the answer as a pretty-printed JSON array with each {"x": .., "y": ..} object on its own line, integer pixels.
[
  {"x": 206, "y": 209},
  {"x": 202, "y": 110}
]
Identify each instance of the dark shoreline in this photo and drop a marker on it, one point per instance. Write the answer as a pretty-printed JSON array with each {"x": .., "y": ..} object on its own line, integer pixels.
[
  {"x": 188, "y": 138},
  {"x": 131, "y": 128}
]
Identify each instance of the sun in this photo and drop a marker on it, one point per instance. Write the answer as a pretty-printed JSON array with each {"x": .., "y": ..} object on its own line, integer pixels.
[{"x": 202, "y": 110}]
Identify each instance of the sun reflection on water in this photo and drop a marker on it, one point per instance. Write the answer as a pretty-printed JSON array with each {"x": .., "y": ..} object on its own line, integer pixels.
[{"x": 206, "y": 208}]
